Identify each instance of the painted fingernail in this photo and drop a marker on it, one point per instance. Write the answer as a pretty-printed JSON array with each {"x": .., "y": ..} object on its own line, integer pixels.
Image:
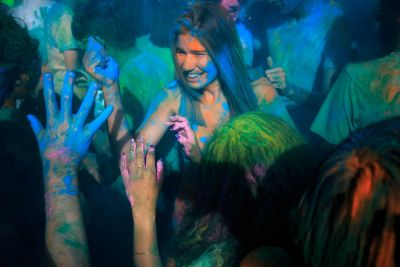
[
  {"x": 123, "y": 154},
  {"x": 151, "y": 148},
  {"x": 140, "y": 139}
]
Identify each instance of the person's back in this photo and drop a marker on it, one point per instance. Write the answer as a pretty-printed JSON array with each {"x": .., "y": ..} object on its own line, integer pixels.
[{"x": 365, "y": 93}]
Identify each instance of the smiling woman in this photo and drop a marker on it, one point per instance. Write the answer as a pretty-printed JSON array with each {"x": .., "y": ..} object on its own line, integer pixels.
[{"x": 212, "y": 87}]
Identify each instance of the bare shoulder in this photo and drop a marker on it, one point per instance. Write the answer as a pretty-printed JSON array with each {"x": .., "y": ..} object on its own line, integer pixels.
[
  {"x": 264, "y": 90},
  {"x": 170, "y": 96}
]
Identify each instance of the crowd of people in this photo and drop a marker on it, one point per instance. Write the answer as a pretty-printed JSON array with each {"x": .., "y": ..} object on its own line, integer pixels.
[{"x": 199, "y": 133}]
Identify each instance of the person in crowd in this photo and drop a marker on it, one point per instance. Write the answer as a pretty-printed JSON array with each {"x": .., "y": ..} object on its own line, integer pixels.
[
  {"x": 142, "y": 73},
  {"x": 157, "y": 41},
  {"x": 21, "y": 208},
  {"x": 366, "y": 92},
  {"x": 62, "y": 51},
  {"x": 350, "y": 216},
  {"x": 243, "y": 187},
  {"x": 32, "y": 14},
  {"x": 235, "y": 10},
  {"x": 211, "y": 87},
  {"x": 307, "y": 44}
]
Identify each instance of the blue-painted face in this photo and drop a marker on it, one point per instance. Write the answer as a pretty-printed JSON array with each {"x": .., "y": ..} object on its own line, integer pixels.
[{"x": 193, "y": 61}]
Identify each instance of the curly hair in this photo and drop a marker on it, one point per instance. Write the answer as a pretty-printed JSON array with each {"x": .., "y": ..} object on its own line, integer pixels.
[
  {"x": 18, "y": 52},
  {"x": 351, "y": 216}
]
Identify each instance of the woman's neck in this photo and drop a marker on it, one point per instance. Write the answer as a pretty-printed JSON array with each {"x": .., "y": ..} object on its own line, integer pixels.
[{"x": 212, "y": 92}]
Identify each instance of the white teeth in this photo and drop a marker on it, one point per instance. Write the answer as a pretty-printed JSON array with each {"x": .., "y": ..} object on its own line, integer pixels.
[{"x": 194, "y": 75}]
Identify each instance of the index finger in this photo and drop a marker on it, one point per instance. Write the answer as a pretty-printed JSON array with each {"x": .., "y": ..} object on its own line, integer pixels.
[{"x": 49, "y": 97}]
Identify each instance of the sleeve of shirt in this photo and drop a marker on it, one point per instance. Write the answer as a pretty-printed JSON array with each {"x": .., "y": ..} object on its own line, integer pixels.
[
  {"x": 338, "y": 115},
  {"x": 63, "y": 36}
]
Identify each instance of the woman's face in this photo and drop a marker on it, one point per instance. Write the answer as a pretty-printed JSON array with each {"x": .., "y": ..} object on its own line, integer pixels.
[{"x": 193, "y": 61}]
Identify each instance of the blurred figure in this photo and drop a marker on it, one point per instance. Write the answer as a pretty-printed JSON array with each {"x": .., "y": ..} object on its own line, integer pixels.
[
  {"x": 21, "y": 202},
  {"x": 367, "y": 92},
  {"x": 308, "y": 44},
  {"x": 158, "y": 41},
  {"x": 350, "y": 217},
  {"x": 234, "y": 8},
  {"x": 361, "y": 18},
  {"x": 32, "y": 15},
  {"x": 62, "y": 51}
]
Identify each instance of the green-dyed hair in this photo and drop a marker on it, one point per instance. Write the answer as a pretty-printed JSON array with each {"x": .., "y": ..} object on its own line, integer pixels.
[
  {"x": 351, "y": 216},
  {"x": 254, "y": 170}
]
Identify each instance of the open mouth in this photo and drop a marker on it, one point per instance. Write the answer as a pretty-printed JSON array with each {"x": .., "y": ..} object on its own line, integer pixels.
[{"x": 193, "y": 75}]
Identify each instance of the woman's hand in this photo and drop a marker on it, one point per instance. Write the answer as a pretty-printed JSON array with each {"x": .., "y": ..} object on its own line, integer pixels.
[
  {"x": 185, "y": 136},
  {"x": 66, "y": 138},
  {"x": 142, "y": 178},
  {"x": 100, "y": 66}
]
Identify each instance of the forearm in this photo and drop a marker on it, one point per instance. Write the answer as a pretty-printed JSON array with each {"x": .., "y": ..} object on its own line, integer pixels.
[
  {"x": 65, "y": 232},
  {"x": 145, "y": 248},
  {"x": 117, "y": 123}
]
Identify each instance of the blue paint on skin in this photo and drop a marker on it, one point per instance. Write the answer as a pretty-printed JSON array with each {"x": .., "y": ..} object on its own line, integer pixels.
[
  {"x": 70, "y": 188},
  {"x": 212, "y": 73},
  {"x": 225, "y": 106},
  {"x": 204, "y": 139}
]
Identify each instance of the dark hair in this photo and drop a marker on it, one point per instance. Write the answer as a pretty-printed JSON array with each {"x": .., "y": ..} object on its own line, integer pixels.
[
  {"x": 351, "y": 216},
  {"x": 110, "y": 20},
  {"x": 18, "y": 53},
  {"x": 215, "y": 30}
]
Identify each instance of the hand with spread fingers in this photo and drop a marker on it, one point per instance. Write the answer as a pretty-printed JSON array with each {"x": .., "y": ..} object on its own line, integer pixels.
[
  {"x": 102, "y": 67},
  {"x": 63, "y": 144},
  {"x": 185, "y": 136},
  {"x": 142, "y": 178},
  {"x": 66, "y": 138},
  {"x": 276, "y": 76}
]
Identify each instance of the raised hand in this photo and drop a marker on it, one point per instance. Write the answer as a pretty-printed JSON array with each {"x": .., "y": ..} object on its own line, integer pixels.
[
  {"x": 66, "y": 138},
  {"x": 142, "y": 178},
  {"x": 102, "y": 67},
  {"x": 276, "y": 76},
  {"x": 185, "y": 136}
]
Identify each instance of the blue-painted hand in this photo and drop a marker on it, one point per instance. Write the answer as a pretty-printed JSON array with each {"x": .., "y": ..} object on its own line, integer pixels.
[
  {"x": 66, "y": 137},
  {"x": 102, "y": 67}
]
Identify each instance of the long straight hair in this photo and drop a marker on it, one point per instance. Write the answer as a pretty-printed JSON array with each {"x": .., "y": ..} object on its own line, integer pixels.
[{"x": 215, "y": 30}]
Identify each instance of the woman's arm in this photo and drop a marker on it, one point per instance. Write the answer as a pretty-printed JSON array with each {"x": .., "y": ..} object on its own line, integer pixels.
[
  {"x": 142, "y": 179},
  {"x": 105, "y": 71}
]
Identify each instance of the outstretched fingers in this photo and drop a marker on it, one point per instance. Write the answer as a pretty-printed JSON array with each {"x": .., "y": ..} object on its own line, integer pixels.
[
  {"x": 160, "y": 172},
  {"x": 94, "y": 125},
  {"x": 123, "y": 167},
  {"x": 139, "y": 157},
  {"x": 66, "y": 95},
  {"x": 49, "y": 98},
  {"x": 86, "y": 105},
  {"x": 36, "y": 126}
]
